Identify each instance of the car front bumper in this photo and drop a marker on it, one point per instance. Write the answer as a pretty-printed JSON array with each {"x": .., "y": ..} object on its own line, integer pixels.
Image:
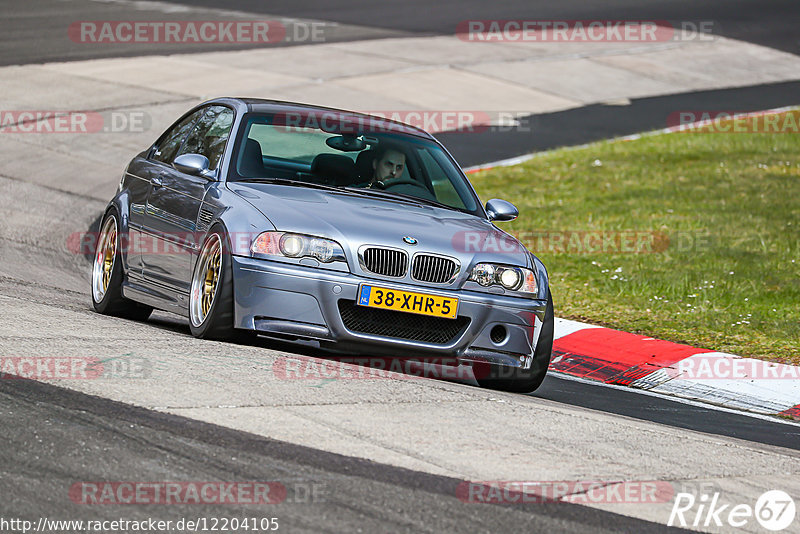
[{"x": 297, "y": 302}]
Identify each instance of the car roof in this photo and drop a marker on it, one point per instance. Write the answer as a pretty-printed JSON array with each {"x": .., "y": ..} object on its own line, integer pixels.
[{"x": 262, "y": 105}]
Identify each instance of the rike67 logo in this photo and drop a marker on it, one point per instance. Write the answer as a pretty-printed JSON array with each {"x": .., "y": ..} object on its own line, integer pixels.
[{"x": 774, "y": 510}]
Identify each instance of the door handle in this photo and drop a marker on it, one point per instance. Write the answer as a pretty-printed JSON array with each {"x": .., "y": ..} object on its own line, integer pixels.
[{"x": 156, "y": 182}]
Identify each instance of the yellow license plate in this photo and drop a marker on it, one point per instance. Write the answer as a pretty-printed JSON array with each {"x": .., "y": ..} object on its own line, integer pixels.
[{"x": 407, "y": 301}]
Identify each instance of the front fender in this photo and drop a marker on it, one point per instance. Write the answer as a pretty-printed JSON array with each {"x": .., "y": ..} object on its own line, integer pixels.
[
  {"x": 542, "y": 279},
  {"x": 242, "y": 221},
  {"x": 120, "y": 203}
]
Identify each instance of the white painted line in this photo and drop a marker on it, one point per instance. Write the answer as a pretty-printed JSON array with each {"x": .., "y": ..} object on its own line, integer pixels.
[
  {"x": 504, "y": 162},
  {"x": 669, "y": 397},
  {"x": 564, "y": 327},
  {"x": 526, "y": 157},
  {"x": 769, "y": 388},
  {"x": 730, "y": 380}
]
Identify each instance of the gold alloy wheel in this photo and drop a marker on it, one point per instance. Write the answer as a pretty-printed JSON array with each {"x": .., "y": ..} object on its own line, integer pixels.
[
  {"x": 104, "y": 259},
  {"x": 206, "y": 280},
  {"x": 210, "y": 285}
]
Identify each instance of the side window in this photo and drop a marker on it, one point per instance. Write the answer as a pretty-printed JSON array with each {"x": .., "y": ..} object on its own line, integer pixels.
[
  {"x": 442, "y": 186},
  {"x": 171, "y": 141},
  {"x": 210, "y": 135}
]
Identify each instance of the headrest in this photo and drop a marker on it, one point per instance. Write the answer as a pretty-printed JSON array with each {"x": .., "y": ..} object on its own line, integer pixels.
[
  {"x": 251, "y": 163},
  {"x": 364, "y": 170},
  {"x": 334, "y": 169}
]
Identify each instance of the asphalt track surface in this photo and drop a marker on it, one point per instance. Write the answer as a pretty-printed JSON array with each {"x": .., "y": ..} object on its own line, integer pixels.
[
  {"x": 68, "y": 436},
  {"x": 771, "y": 23},
  {"x": 33, "y": 32},
  {"x": 601, "y": 121},
  {"x": 54, "y": 436}
]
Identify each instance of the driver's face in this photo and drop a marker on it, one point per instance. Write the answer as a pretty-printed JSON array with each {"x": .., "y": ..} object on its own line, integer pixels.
[{"x": 391, "y": 165}]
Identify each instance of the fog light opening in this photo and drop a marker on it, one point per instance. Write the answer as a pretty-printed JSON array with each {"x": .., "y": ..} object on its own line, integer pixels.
[{"x": 498, "y": 334}]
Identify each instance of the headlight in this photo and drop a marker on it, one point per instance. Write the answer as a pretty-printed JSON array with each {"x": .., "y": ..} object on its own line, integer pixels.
[
  {"x": 511, "y": 278},
  {"x": 297, "y": 246},
  {"x": 292, "y": 245},
  {"x": 484, "y": 274}
]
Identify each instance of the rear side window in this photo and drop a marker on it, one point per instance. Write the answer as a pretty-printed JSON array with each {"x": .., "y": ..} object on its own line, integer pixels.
[
  {"x": 296, "y": 144},
  {"x": 210, "y": 134},
  {"x": 171, "y": 142}
]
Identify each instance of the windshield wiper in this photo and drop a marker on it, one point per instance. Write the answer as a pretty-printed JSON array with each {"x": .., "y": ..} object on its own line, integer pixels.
[
  {"x": 399, "y": 197},
  {"x": 380, "y": 193},
  {"x": 288, "y": 181},
  {"x": 405, "y": 197},
  {"x": 428, "y": 201},
  {"x": 336, "y": 189}
]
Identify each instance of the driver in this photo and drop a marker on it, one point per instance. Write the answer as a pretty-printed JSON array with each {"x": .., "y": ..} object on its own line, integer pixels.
[
  {"x": 388, "y": 163},
  {"x": 388, "y": 168}
]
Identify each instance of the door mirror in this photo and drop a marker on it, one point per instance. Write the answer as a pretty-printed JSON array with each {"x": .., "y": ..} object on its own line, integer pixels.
[
  {"x": 194, "y": 164},
  {"x": 501, "y": 210}
]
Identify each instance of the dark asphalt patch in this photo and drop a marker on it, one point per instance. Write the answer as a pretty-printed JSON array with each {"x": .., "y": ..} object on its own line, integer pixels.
[
  {"x": 600, "y": 121},
  {"x": 662, "y": 410}
]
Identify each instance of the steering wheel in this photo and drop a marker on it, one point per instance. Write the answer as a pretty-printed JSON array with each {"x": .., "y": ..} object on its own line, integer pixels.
[{"x": 400, "y": 181}]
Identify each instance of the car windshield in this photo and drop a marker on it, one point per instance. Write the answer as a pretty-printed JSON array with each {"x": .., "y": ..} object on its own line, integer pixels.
[{"x": 349, "y": 152}]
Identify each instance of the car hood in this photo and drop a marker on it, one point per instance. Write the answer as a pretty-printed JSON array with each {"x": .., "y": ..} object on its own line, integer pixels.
[{"x": 354, "y": 220}]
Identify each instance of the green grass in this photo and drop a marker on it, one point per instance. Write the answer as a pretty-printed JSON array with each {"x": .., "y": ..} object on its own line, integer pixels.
[{"x": 728, "y": 279}]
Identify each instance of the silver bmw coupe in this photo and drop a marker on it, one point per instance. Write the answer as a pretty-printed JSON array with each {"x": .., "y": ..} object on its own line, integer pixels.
[{"x": 307, "y": 223}]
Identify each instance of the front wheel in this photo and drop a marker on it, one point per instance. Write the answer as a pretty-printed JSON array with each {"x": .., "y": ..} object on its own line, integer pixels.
[
  {"x": 211, "y": 297},
  {"x": 107, "y": 275},
  {"x": 526, "y": 380}
]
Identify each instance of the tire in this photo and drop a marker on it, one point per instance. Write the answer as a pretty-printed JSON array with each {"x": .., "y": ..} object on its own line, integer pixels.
[
  {"x": 526, "y": 380},
  {"x": 107, "y": 274},
  {"x": 211, "y": 290}
]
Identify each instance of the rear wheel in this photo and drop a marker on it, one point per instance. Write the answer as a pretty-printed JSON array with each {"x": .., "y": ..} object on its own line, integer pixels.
[
  {"x": 211, "y": 297},
  {"x": 107, "y": 275},
  {"x": 526, "y": 380}
]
